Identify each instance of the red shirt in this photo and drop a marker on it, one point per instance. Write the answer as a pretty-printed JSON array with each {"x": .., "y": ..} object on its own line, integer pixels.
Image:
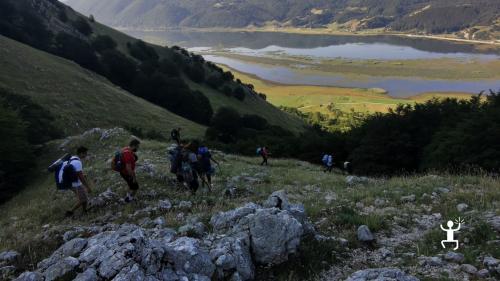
[{"x": 128, "y": 157}]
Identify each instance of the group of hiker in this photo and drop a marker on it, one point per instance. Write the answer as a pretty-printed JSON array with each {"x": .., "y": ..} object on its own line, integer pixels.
[
  {"x": 189, "y": 161},
  {"x": 328, "y": 163}
]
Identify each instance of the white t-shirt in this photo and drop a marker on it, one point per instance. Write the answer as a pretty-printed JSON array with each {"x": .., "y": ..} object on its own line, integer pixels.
[{"x": 77, "y": 164}]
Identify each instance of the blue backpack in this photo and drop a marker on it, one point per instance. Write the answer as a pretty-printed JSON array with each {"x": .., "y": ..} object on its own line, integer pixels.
[{"x": 258, "y": 151}]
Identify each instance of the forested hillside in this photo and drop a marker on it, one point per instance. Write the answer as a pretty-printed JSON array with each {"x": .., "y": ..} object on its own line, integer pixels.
[{"x": 431, "y": 16}]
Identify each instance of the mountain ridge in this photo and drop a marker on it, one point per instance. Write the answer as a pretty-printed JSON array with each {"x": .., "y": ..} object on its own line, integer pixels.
[{"x": 477, "y": 20}]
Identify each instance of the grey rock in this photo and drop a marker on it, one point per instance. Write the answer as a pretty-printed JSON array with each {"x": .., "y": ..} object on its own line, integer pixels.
[
  {"x": 159, "y": 222},
  {"x": 495, "y": 222},
  {"x": 187, "y": 256},
  {"x": 278, "y": 199},
  {"x": 185, "y": 206},
  {"x": 454, "y": 257},
  {"x": 73, "y": 247},
  {"x": 483, "y": 273},
  {"x": 232, "y": 253},
  {"x": 64, "y": 269},
  {"x": 88, "y": 275},
  {"x": 130, "y": 273},
  {"x": 364, "y": 234},
  {"x": 381, "y": 274},
  {"x": 353, "y": 180},
  {"x": 196, "y": 229},
  {"x": 164, "y": 205},
  {"x": 462, "y": 207},
  {"x": 9, "y": 256},
  {"x": 224, "y": 221},
  {"x": 112, "y": 264},
  {"x": 468, "y": 268},
  {"x": 431, "y": 261},
  {"x": 274, "y": 235},
  {"x": 408, "y": 199},
  {"x": 442, "y": 190},
  {"x": 30, "y": 276},
  {"x": 490, "y": 262}
]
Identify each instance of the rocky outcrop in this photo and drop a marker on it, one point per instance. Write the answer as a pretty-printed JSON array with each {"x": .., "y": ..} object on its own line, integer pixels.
[{"x": 242, "y": 238}]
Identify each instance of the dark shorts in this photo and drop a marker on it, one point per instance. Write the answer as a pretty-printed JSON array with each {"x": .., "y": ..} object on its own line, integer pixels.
[{"x": 130, "y": 181}]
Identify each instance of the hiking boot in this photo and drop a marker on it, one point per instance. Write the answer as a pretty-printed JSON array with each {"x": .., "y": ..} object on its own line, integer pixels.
[{"x": 127, "y": 199}]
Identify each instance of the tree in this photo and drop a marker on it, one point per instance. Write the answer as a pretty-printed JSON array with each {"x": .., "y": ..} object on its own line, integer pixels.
[
  {"x": 82, "y": 26},
  {"x": 239, "y": 93},
  {"x": 119, "y": 68},
  {"x": 103, "y": 42}
]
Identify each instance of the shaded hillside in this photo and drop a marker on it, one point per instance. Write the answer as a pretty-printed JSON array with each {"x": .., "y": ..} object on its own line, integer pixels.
[
  {"x": 432, "y": 16},
  {"x": 78, "y": 98},
  {"x": 171, "y": 78}
]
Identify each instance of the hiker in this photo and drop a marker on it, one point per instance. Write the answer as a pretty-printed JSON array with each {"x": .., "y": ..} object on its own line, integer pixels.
[
  {"x": 348, "y": 167},
  {"x": 265, "y": 155},
  {"x": 328, "y": 161},
  {"x": 205, "y": 163},
  {"x": 189, "y": 167},
  {"x": 79, "y": 184},
  {"x": 175, "y": 157},
  {"x": 127, "y": 169},
  {"x": 175, "y": 134}
]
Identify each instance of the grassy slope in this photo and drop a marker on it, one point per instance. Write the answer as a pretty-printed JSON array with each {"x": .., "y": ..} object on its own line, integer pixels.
[
  {"x": 22, "y": 218},
  {"x": 251, "y": 104},
  {"x": 79, "y": 98}
]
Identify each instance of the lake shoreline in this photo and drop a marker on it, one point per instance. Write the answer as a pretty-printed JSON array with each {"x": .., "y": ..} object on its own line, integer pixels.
[{"x": 318, "y": 31}]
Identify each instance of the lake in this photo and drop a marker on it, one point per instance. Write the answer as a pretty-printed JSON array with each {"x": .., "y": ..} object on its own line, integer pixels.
[{"x": 217, "y": 46}]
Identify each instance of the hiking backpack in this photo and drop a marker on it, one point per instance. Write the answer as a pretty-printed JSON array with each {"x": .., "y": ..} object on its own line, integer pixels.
[
  {"x": 69, "y": 174},
  {"x": 117, "y": 162},
  {"x": 325, "y": 159},
  {"x": 258, "y": 151},
  {"x": 175, "y": 157}
]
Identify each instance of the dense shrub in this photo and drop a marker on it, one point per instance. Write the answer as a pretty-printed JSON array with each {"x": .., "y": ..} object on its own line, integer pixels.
[
  {"x": 195, "y": 72},
  {"x": 82, "y": 26},
  {"x": 119, "y": 68},
  {"x": 142, "y": 51},
  {"x": 239, "y": 93},
  {"x": 103, "y": 42}
]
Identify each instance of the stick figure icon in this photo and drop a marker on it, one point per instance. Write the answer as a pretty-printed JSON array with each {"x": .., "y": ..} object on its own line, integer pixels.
[{"x": 450, "y": 232}]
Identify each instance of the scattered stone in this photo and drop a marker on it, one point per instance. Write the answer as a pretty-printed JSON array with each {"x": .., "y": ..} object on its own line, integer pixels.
[
  {"x": 431, "y": 261},
  {"x": 164, "y": 205},
  {"x": 353, "y": 180},
  {"x": 364, "y": 234},
  {"x": 379, "y": 202},
  {"x": 468, "y": 268},
  {"x": 375, "y": 274},
  {"x": 495, "y": 222},
  {"x": 159, "y": 222},
  {"x": 185, "y": 206},
  {"x": 462, "y": 207},
  {"x": 483, "y": 273},
  {"x": 30, "y": 276},
  {"x": 408, "y": 199},
  {"x": 88, "y": 275},
  {"x": 9, "y": 256},
  {"x": 192, "y": 229},
  {"x": 454, "y": 257},
  {"x": 490, "y": 262},
  {"x": 64, "y": 269},
  {"x": 278, "y": 199},
  {"x": 442, "y": 190}
]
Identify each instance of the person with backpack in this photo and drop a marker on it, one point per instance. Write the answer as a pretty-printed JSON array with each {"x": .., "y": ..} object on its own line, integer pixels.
[
  {"x": 265, "y": 155},
  {"x": 126, "y": 167},
  {"x": 70, "y": 176},
  {"x": 329, "y": 163},
  {"x": 189, "y": 167},
  {"x": 205, "y": 163},
  {"x": 175, "y": 134}
]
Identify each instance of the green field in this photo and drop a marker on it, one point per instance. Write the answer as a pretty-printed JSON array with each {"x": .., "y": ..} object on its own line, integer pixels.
[{"x": 317, "y": 98}]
